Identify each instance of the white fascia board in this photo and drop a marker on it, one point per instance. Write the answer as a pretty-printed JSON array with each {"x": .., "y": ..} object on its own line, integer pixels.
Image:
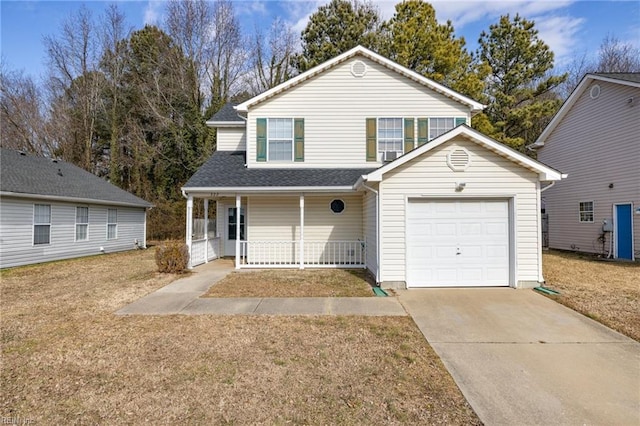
[
  {"x": 72, "y": 199},
  {"x": 265, "y": 190},
  {"x": 474, "y": 105},
  {"x": 545, "y": 173},
  {"x": 225, "y": 124},
  {"x": 566, "y": 106}
]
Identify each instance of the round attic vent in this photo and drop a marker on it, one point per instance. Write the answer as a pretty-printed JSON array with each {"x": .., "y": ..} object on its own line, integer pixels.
[
  {"x": 458, "y": 159},
  {"x": 595, "y": 91},
  {"x": 358, "y": 69}
]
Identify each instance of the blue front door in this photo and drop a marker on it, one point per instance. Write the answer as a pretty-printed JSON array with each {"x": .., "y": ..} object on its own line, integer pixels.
[{"x": 624, "y": 238}]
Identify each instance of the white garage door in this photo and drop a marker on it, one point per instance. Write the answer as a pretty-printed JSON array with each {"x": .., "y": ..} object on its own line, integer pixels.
[{"x": 458, "y": 243}]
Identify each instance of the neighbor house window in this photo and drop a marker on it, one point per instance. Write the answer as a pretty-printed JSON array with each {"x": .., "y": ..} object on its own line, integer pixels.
[
  {"x": 390, "y": 135},
  {"x": 439, "y": 126},
  {"x": 586, "y": 211},
  {"x": 41, "y": 224},
  {"x": 82, "y": 223},
  {"x": 280, "y": 139},
  {"x": 112, "y": 224}
]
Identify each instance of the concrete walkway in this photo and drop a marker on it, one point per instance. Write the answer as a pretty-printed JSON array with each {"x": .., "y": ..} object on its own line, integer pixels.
[
  {"x": 520, "y": 358},
  {"x": 183, "y": 297}
]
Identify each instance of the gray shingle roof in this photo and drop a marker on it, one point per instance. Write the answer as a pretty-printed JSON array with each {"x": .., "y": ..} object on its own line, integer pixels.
[
  {"x": 227, "y": 169},
  {"x": 31, "y": 174},
  {"x": 626, "y": 76},
  {"x": 227, "y": 114}
]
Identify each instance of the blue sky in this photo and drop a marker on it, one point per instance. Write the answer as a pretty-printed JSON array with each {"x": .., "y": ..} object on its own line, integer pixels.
[{"x": 569, "y": 27}]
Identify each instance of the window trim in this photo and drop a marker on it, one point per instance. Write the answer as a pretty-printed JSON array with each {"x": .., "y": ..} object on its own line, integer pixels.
[
  {"x": 344, "y": 206},
  {"x": 86, "y": 224},
  {"x": 293, "y": 138},
  {"x": 399, "y": 152},
  {"x": 592, "y": 211},
  {"x": 112, "y": 223},
  {"x": 34, "y": 224}
]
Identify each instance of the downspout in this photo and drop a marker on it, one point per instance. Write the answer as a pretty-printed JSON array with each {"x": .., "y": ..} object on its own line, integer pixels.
[{"x": 377, "y": 231}]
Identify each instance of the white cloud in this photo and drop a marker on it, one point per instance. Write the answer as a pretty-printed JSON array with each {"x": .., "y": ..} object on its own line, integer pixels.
[
  {"x": 153, "y": 12},
  {"x": 251, "y": 8},
  {"x": 560, "y": 33}
]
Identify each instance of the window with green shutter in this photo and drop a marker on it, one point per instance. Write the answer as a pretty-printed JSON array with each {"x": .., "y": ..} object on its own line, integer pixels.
[
  {"x": 261, "y": 139},
  {"x": 372, "y": 151},
  {"x": 298, "y": 139},
  {"x": 409, "y": 132},
  {"x": 423, "y": 131}
]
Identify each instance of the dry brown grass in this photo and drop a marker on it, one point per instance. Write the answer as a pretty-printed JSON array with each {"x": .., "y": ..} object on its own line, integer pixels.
[
  {"x": 67, "y": 359},
  {"x": 606, "y": 291},
  {"x": 294, "y": 283}
]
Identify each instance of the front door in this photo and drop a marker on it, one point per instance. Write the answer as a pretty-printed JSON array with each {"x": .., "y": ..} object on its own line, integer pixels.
[
  {"x": 230, "y": 229},
  {"x": 624, "y": 231}
]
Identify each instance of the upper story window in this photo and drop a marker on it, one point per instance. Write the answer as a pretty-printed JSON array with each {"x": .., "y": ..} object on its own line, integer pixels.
[
  {"x": 41, "y": 224},
  {"x": 390, "y": 135},
  {"x": 280, "y": 139},
  {"x": 439, "y": 126},
  {"x": 586, "y": 211},
  {"x": 82, "y": 223},
  {"x": 112, "y": 224}
]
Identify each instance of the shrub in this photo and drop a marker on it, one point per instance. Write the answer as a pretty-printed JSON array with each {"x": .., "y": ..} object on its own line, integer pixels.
[{"x": 172, "y": 257}]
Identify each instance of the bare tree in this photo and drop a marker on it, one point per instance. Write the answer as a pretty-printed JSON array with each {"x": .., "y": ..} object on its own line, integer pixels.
[
  {"x": 272, "y": 58},
  {"x": 616, "y": 56},
  {"x": 73, "y": 59},
  {"x": 21, "y": 114},
  {"x": 226, "y": 54}
]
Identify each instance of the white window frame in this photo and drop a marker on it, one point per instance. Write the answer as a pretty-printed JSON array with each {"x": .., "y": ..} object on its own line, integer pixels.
[
  {"x": 292, "y": 139},
  {"x": 380, "y": 151},
  {"x": 429, "y": 138},
  {"x": 33, "y": 237},
  {"x": 114, "y": 224},
  {"x": 581, "y": 212},
  {"x": 82, "y": 224}
]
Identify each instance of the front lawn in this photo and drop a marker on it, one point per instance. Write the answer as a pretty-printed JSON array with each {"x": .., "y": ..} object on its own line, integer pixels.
[
  {"x": 606, "y": 291},
  {"x": 294, "y": 283},
  {"x": 67, "y": 359}
]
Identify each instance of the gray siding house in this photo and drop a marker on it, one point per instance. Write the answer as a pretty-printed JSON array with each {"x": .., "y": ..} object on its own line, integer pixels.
[
  {"x": 52, "y": 210},
  {"x": 595, "y": 138}
]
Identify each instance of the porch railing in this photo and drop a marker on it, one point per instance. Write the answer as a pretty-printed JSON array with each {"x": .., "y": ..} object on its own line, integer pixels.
[
  {"x": 286, "y": 254},
  {"x": 203, "y": 250}
]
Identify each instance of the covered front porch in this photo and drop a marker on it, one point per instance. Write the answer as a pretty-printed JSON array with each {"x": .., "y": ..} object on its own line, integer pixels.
[{"x": 296, "y": 230}]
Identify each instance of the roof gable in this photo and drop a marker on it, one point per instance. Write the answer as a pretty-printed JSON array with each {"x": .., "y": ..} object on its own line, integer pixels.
[
  {"x": 545, "y": 173},
  {"x": 626, "y": 79},
  {"x": 25, "y": 175},
  {"x": 361, "y": 51}
]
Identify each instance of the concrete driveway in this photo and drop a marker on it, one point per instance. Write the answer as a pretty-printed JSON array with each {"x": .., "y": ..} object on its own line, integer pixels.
[{"x": 520, "y": 358}]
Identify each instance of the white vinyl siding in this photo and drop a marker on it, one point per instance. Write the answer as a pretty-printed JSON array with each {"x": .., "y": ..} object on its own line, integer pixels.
[
  {"x": 41, "y": 224},
  {"x": 489, "y": 176},
  {"x": 16, "y": 228},
  {"x": 112, "y": 224},
  {"x": 230, "y": 139},
  {"x": 82, "y": 223},
  {"x": 596, "y": 144},
  {"x": 335, "y": 106}
]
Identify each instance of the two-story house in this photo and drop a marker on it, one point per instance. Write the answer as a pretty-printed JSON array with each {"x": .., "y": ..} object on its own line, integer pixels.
[
  {"x": 360, "y": 162},
  {"x": 595, "y": 138}
]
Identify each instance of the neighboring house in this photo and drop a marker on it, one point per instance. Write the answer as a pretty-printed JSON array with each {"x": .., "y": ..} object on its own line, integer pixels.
[
  {"x": 51, "y": 210},
  {"x": 595, "y": 139},
  {"x": 360, "y": 162}
]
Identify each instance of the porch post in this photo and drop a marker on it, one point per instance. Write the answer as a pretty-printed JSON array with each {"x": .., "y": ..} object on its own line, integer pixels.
[
  {"x": 206, "y": 230},
  {"x": 238, "y": 207},
  {"x": 189, "y": 229},
  {"x": 301, "y": 231},
  {"x": 219, "y": 223}
]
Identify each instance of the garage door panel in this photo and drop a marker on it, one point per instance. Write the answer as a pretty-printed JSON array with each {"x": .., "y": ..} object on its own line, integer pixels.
[{"x": 458, "y": 243}]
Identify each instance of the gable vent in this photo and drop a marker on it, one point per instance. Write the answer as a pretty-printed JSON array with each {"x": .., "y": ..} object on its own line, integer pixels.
[
  {"x": 458, "y": 159},
  {"x": 358, "y": 69}
]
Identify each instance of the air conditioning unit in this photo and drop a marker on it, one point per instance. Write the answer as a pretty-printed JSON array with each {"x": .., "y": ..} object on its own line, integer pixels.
[{"x": 389, "y": 156}]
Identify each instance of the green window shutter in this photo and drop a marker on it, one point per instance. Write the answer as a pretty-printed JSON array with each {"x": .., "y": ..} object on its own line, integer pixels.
[
  {"x": 261, "y": 139},
  {"x": 372, "y": 140},
  {"x": 408, "y": 135},
  {"x": 298, "y": 137},
  {"x": 423, "y": 131},
  {"x": 460, "y": 120}
]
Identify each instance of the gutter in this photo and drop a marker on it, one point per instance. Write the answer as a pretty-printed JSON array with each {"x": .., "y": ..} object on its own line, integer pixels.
[{"x": 74, "y": 199}]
